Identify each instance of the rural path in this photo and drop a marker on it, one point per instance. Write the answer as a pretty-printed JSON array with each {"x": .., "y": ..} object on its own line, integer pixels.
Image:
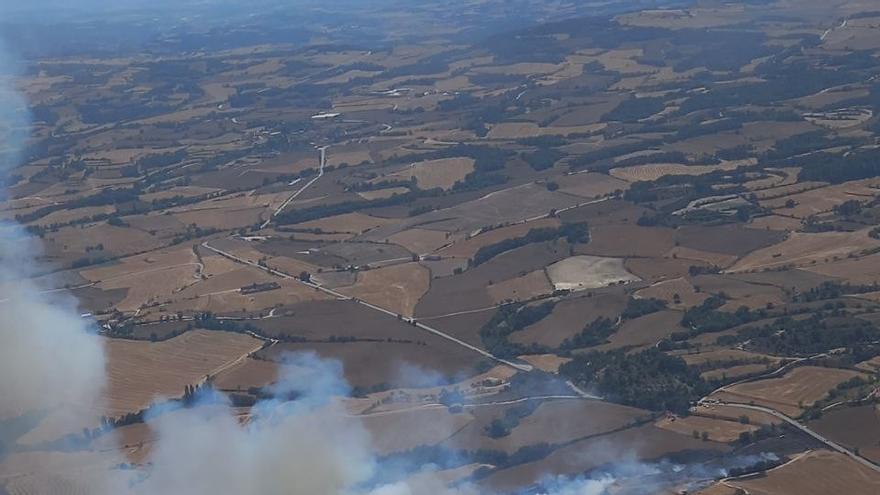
[
  {"x": 828, "y": 443},
  {"x": 437, "y": 405},
  {"x": 337, "y": 295},
  {"x": 286, "y": 203}
]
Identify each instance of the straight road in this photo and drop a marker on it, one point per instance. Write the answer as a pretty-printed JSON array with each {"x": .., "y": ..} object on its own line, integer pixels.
[
  {"x": 286, "y": 203},
  {"x": 337, "y": 295}
]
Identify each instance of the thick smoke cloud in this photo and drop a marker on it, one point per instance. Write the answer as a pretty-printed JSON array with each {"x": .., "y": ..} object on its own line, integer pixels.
[
  {"x": 306, "y": 446},
  {"x": 47, "y": 355}
]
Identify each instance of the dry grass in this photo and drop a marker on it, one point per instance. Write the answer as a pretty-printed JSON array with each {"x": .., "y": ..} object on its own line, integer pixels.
[
  {"x": 588, "y": 272},
  {"x": 397, "y": 288},
  {"x": 806, "y": 249},
  {"x": 775, "y": 222},
  {"x": 789, "y": 394},
  {"x": 590, "y": 185},
  {"x": 354, "y": 223},
  {"x": 517, "y": 130},
  {"x": 669, "y": 289},
  {"x": 382, "y": 193},
  {"x": 521, "y": 288},
  {"x": 140, "y": 372},
  {"x": 820, "y": 472},
  {"x": 719, "y": 430},
  {"x": 654, "y": 171},
  {"x": 148, "y": 278},
  {"x": 546, "y": 362},
  {"x": 729, "y": 413},
  {"x": 708, "y": 257},
  {"x": 723, "y": 355},
  {"x": 824, "y": 199},
  {"x": 420, "y": 241},
  {"x": 442, "y": 173},
  {"x": 864, "y": 270},
  {"x": 467, "y": 248}
]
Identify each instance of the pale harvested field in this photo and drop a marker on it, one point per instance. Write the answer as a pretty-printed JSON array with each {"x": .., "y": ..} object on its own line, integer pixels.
[
  {"x": 777, "y": 177},
  {"x": 872, "y": 365},
  {"x": 588, "y": 272},
  {"x": 185, "y": 191},
  {"x": 546, "y": 362},
  {"x": 692, "y": 18},
  {"x": 820, "y": 472},
  {"x": 222, "y": 218},
  {"x": 718, "y": 489},
  {"x": 396, "y": 288},
  {"x": 354, "y": 223},
  {"x": 804, "y": 386},
  {"x": 590, "y": 185},
  {"x": 865, "y": 270},
  {"x": 116, "y": 240},
  {"x": 442, "y": 173},
  {"x": 824, "y": 98},
  {"x": 517, "y": 130},
  {"x": 148, "y": 278},
  {"x": 468, "y": 247},
  {"x": 825, "y": 198},
  {"x": 522, "y": 288},
  {"x": 65, "y": 216},
  {"x": 668, "y": 289},
  {"x": 722, "y": 356},
  {"x": 140, "y": 372},
  {"x": 523, "y": 68},
  {"x": 735, "y": 372},
  {"x": 420, "y": 241},
  {"x": 729, "y": 413},
  {"x": 716, "y": 259},
  {"x": 789, "y": 189},
  {"x": 232, "y": 300},
  {"x": 840, "y": 119},
  {"x": 803, "y": 249},
  {"x": 383, "y": 193},
  {"x": 719, "y": 430},
  {"x": 654, "y": 171}
]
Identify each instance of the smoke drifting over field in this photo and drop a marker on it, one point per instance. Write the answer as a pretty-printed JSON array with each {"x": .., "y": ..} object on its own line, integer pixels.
[
  {"x": 47, "y": 355},
  {"x": 51, "y": 360}
]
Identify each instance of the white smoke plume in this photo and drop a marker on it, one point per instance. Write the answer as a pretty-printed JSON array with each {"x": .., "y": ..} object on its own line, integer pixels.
[{"x": 48, "y": 357}]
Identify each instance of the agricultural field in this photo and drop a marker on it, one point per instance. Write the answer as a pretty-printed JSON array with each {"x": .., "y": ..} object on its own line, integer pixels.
[
  {"x": 796, "y": 390},
  {"x": 475, "y": 247}
]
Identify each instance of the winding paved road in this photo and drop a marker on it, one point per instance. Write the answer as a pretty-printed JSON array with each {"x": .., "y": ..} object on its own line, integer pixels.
[{"x": 828, "y": 443}]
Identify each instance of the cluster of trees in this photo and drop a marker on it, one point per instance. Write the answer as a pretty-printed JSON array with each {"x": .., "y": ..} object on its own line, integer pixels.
[
  {"x": 543, "y": 158},
  {"x": 511, "y": 318},
  {"x": 594, "y": 333},
  {"x": 708, "y": 318},
  {"x": 819, "y": 333},
  {"x": 501, "y": 427},
  {"x": 649, "y": 379},
  {"x": 572, "y": 232},
  {"x": 641, "y": 306},
  {"x": 834, "y": 290}
]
